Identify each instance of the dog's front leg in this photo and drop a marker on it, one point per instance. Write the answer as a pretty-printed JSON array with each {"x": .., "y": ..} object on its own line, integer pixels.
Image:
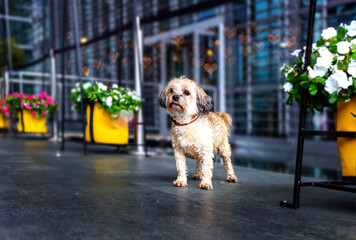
[
  {"x": 206, "y": 171},
  {"x": 181, "y": 168}
]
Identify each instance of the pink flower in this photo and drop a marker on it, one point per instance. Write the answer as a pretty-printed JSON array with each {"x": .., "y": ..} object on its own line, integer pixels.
[
  {"x": 21, "y": 95},
  {"x": 53, "y": 104},
  {"x": 15, "y": 94},
  {"x": 43, "y": 113},
  {"x": 0, "y": 102},
  {"x": 38, "y": 102},
  {"x": 34, "y": 104},
  {"x": 7, "y": 94},
  {"x": 31, "y": 97},
  {"x": 22, "y": 105},
  {"x": 28, "y": 107},
  {"x": 42, "y": 95},
  {"x": 49, "y": 99},
  {"x": 34, "y": 113}
]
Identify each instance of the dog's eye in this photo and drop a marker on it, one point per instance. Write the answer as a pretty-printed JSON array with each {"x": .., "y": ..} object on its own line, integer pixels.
[
  {"x": 171, "y": 90},
  {"x": 186, "y": 92}
]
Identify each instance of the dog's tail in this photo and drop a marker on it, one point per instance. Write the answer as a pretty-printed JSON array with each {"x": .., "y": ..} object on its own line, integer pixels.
[{"x": 227, "y": 119}]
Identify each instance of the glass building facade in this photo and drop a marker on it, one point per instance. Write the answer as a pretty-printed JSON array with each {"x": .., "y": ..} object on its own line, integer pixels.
[{"x": 233, "y": 49}]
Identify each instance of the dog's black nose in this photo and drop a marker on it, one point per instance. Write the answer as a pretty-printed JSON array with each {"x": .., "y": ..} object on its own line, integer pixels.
[{"x": 175, "y": 98}]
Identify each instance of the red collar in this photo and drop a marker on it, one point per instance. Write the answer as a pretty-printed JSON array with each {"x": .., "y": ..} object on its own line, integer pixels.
[{"x": 184, "y": 124}]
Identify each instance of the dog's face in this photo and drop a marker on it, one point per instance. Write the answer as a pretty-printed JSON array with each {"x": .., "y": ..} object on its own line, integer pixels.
[{"x": 183, "y": 97}]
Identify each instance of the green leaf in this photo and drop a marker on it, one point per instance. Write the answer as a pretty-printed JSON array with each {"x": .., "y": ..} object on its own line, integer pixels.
[
  {"x": 313, "y": 89},
  {"x": 320, "y": 43},
  {"x": 304, "y": 76},
  {"x": 333, "y": 98},
  {"x": 341, "y": 33},
  {"x": 304, "y": 84},
  {"x": 313, "y": 58},
  {"x": 289, "y": 100},
  {"x": 333, "y": 48},
  {"x": 320, "y": 80},
  {"x": 353, "y": 56}
]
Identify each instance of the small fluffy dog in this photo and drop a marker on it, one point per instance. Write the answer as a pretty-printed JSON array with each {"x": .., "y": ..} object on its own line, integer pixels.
[{"x": 196, "y": 131}]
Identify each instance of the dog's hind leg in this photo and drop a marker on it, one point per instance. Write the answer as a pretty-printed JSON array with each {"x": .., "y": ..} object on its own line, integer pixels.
[
  {"x": 225, "y": 152},
  {"x": 197, "y": 174}
]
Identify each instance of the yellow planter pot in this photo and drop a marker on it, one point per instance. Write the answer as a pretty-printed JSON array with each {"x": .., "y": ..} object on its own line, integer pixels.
[
  {"x": 105, "y": 129},
  {"x": 4, "y": 121},
  {"x": 344, "y": 121},
  {"x": 31, "y": 124}
]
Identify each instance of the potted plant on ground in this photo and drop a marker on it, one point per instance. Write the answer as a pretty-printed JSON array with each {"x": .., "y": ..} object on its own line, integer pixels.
[
  {"x": 31, "y": 111},
  {"x": 108, "y": 111},
  {"x": 330, "y": 81},
  {"x": 4, "y": 113}
]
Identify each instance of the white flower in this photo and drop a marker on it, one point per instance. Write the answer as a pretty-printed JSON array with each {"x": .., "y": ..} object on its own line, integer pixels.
[
  {"x": 317, "y": 71},
  {"x": 289, "y": 71},
  {"x": 109, "y": 101},
  {"x": 296, "y": 52},
  {"x": 115, "y": 85},
  {"x": 86, "y": 85},
  {"x": 135, "y": 97},
  {"x": 77, "y": 84},
  {"x": 102, "y": 86},
  {"x": 287, "y": 87},
  {"x": 340, "y": 58},
  {"x": 325, "y": 59},
  {"x": 343, "y": 47},
  {"x": 282, "y": 68},
  {"x": 330, "y": 85},
  {"x": 351, "y": 69},
  {"x": 341, "y": 78},
  {"x": 115, "y": 97},
  {"x": 73, "y": 90},
  {"x": 78, "y": 99},
  {"x": 327, "y": 44},
  {"x": 328, "y": 33},
  {"x": 314, "y": 47},
  {"x": 351, "y": 29}
]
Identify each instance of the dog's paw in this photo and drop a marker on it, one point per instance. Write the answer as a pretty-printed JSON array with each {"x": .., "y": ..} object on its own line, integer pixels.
[
  {"x": 196, "y": 176},
  {"x": 180, "y": 183},
  {"x": 232, "y": 179},
  {"x": 205, "y": 185}
]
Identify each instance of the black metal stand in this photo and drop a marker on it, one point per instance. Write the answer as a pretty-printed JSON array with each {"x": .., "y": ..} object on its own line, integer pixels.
[{"x": 336, "y": 185}]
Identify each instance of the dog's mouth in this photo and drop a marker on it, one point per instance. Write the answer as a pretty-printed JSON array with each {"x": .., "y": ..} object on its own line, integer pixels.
[{"x": 174, "y": 104}]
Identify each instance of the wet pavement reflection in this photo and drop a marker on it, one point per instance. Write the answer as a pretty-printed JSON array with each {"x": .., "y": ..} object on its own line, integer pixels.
[{"x": 107, "y": 195}]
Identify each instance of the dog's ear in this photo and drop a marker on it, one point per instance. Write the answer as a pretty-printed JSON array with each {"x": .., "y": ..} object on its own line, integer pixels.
[
  {"x": 162, "y": 98},
  {"x": 204, "y": 102}
]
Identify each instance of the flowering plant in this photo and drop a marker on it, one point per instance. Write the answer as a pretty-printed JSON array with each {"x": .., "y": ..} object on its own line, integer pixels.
[
  {"x": 115, "y": 100},
  {"x": 37, "y": 105},
  {"x": 331, "y": 75},
  {"x": 4, "y": 107}
]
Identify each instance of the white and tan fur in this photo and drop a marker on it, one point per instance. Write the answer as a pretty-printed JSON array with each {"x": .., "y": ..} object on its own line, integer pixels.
[{"x": 184, "y": 100}]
